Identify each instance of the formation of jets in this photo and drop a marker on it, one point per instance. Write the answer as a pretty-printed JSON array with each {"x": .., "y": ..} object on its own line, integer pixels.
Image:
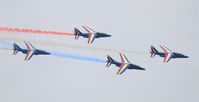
[
  {"x": 123, "y": 65},
  {"x": 167, "y": 54}
]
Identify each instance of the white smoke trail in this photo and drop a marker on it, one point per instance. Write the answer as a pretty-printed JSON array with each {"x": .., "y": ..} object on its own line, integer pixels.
[{"x": 73, "y": 46}]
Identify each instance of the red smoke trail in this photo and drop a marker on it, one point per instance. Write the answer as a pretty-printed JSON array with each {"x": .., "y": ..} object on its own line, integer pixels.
[{"x": 34, "y": 31}]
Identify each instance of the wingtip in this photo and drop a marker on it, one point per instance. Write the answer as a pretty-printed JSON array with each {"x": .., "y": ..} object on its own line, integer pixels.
[
  {"x": 28, "y": 42},
  {"x": 83, "y": 26},
  {"x": 152, "y": 46},
  {"x": 165, "y": 62},
  {"x": 117, "y": 73},
  {"x": 161, "y": 46}
]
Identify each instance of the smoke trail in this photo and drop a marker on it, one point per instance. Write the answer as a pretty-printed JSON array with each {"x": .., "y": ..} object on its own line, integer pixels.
[
  {"x": 63, "y": 45},
  {"x": 5, "y": 48},
  {"x": 77, "y": 57},
  {"x": 53, "y": 44},
  {"x": 24, "y": 30},
  {"x": 8, "y": 46}
]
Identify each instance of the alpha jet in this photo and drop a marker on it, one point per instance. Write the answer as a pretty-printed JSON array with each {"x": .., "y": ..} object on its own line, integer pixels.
[
  {"x": 90, "y": 34},
  {"x": 30, "y": 51},
  {"x": 167, "y": 54},
  {"x": 123, "y": 65}
]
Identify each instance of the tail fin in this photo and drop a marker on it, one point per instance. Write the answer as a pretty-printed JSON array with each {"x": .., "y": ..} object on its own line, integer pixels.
[
  {"x": 110, "y": 61},
  {"x": 77, "y": 33},
  {"x": 153, "y": 51},
  {"x": 16, "y": 49}
]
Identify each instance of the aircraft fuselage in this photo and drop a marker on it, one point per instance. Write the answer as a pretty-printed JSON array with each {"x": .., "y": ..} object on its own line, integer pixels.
[
  {"x": 97, "y": 35},
  {"x": 36, "y": 52},
  {"x": 175, "y": 55},
  {"x": 129, "y": 66}
]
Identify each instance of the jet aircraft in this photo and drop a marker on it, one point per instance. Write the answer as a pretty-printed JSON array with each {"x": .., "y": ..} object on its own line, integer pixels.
[
  {"x": 30, "y": 51},
  {"x": 90, "y": 34},
  {"x": 167, "y": 54},
  {"x": 123, "y": 65}
]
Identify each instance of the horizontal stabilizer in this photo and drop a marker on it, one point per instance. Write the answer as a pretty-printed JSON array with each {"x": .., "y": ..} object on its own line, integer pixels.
[{"x": 110, "y": 61}]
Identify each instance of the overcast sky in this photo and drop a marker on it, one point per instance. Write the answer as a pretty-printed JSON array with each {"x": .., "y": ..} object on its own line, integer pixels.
[{"x": 134, "y": 26}]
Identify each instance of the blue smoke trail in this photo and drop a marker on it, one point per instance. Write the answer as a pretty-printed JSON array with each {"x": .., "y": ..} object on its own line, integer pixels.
[
  {"x": 6, "y": 45},
  {"x": 9, "y": 45},
  {"x": 77, "y": 57}
]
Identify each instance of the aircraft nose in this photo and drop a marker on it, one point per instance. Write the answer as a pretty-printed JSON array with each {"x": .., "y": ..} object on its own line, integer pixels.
[
  {"x": 182, "y": 56},
  {"x": 108, "y": 35},
  {"x": 186, "y": 56},
  {"x": 143, "y": 69},
  {"x": 46, "y": 53}
]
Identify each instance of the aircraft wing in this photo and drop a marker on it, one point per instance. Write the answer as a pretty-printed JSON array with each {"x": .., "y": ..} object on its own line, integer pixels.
[
  {"x": 31, "y": 46},
  {"x": 124, "y": 64},
  {"x": 168, "y": 54},
  {"x": 166, "y": 50},
  {"x": 28, "y": 47},
  {"x": 168, "y": 57},
  {"x": 89, "y": 30},
  {"x": 123, "y": 58},
  {"x": 91, "y": 34},
  {"x": 30, "y": 52},
  {"x": 29, "y": 55},
  {"x": 122, "y": 68}
]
